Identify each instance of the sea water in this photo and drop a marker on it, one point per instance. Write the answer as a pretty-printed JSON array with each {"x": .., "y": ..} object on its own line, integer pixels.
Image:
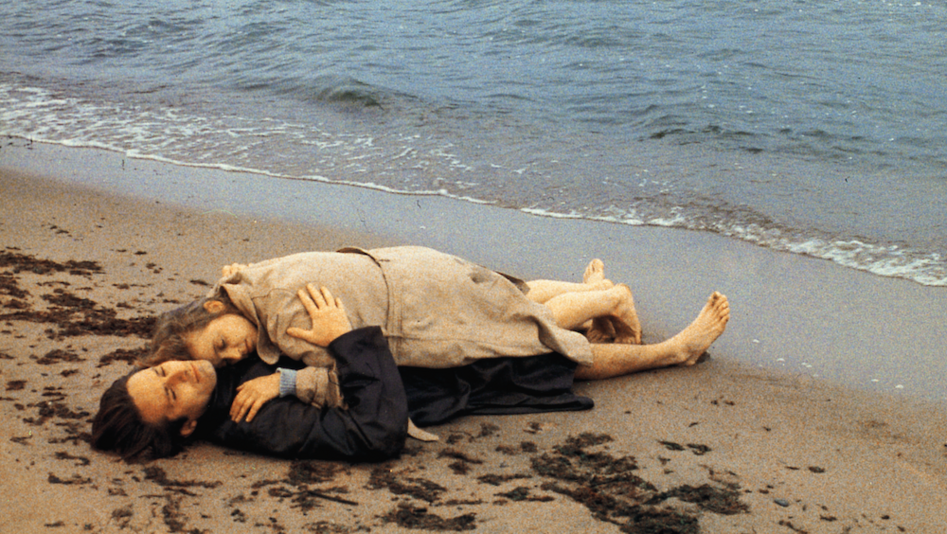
[{"x": 816, "y": 128}]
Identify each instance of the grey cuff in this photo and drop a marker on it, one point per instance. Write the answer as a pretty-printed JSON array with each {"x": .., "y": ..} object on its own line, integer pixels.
[{"x": 287, "y": 382}]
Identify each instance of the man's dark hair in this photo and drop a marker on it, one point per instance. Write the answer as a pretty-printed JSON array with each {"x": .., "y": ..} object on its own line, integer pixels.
[{"x": 118, "y": 427}]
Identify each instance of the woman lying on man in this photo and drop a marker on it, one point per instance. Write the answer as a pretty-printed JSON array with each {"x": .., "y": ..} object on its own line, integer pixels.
[{"x": 450, "y": 326}]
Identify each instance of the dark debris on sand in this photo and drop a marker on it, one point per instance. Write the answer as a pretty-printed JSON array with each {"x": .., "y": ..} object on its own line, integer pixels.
[
  {"x": 384, "y": 476},
  {"x": 160, "y": 477},
  {"x": 84, "y": 319},
  {"x": 463, "y": 461},
  {"x": 522, "y": 493},
  {"x": 122, "y": 355},
  {"x": 303, "y": 475},
  {"x": 18, "y": 263},
  {"x": 302, "y": 472},
  {"x": 417, "y": 517},
  {"x": 724, "y": 501},
  {"x": 578, "y": 469},
  {"x": 47, "y": 410},
  {"x": 610, "y": 489},
  {"x": 41, "y": 292},
  {"x": 71, "y": 314}
]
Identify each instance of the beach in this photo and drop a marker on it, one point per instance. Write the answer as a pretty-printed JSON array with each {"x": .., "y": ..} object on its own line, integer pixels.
[{"x": 730, "y": 445}]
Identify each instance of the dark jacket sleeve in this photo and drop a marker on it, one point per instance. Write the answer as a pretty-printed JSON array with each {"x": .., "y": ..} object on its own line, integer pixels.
[{"x": 372, "y": 428}]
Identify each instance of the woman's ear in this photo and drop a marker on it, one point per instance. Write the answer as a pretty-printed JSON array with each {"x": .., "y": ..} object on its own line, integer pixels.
[
  {"x": 214, "y": 306},
  {"x": 189, "y": 427}
]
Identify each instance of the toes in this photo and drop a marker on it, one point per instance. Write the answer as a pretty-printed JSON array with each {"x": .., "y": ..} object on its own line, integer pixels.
[{"x": 595, "y": 272}]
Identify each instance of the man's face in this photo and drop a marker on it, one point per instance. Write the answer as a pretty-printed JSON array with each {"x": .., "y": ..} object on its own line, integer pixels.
[{"x": 173, "y": 390}]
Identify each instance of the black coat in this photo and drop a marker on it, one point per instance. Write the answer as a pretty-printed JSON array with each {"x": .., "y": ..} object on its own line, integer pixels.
[
  {"x": 373, "y": 428},
  {"x": 492, "y": 386}
]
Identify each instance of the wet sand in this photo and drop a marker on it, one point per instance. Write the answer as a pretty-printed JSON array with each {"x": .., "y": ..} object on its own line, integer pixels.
[{"x": 726, "y": 446}]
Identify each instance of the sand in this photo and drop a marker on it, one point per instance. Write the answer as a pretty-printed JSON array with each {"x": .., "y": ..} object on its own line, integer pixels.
[{"x": 726, "y": 446}]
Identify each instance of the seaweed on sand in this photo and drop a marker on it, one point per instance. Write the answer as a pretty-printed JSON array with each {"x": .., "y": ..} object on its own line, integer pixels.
[
  {"x": 610, "y": 489},
  {"x": 417, "y": 517}
]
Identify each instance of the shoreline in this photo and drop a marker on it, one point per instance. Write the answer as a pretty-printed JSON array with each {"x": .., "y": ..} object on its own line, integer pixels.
[
  {"x": 802, "y": 454},
  {"x": 792, "y": 313}
]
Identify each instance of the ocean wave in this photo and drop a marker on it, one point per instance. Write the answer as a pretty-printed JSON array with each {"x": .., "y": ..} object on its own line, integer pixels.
[
  {"x": 424, "y": 159},
  {"x": 330, "y": 89}
]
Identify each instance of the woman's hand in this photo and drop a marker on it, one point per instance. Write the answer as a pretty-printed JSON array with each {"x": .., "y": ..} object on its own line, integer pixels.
[
  {"x": 252, "y": 395},
  {"x": 329, "y": 319},
  {"x": 228, "y": 270}
]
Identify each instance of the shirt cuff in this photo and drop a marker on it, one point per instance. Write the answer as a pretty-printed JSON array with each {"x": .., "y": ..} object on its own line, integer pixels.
[{"x": 287, "y": 382}]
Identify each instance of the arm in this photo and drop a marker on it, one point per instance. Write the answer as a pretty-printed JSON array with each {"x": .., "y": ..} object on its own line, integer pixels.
[
  {"x": 318, "y": 386},
  {"x": 372, "y": 428},
  {"x": 328, "y": 316},
  {"x": 329, "y": 320}
]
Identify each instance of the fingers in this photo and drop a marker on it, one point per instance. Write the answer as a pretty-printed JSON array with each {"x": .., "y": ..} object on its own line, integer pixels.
[
  {"x": 243, "y": 405},
  {"x": 328, "y": 315},
  {"x": 326, "y": 298},
  {"x": 253, "y": 410},
  {"x": 332, "y": 302},
  {"x": 310, "y": 306},
  {"x": 239, "y": 407},
  {"x": 228, "y": 270},
  {"x": 317, "y": 299},
  {"x": 252, "y": 395},
  {"x": 299, "y": 333},
  {"x": 341, "y": 307},
  {"x": 318, "y": 296}
]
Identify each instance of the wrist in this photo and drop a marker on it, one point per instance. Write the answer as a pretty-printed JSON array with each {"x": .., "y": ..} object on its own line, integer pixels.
[{"x": 287, "y": 382}]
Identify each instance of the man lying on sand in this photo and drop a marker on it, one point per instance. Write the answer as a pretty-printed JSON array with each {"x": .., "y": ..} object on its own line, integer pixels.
[
  {"x": 156, "y": 410},
  {"x": 448, "y": 322}
]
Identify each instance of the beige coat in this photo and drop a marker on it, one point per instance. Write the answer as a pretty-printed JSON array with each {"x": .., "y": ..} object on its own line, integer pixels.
[{"x": 436, "y": 310}]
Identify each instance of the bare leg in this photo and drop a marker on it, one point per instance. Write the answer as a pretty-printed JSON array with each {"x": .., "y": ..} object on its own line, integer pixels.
[
  {"x": 683, "y": 349},
  {"x": 573, "y": 310},
  {"x": 542, "y": 291},
  {"x": 599, "y": 329}
]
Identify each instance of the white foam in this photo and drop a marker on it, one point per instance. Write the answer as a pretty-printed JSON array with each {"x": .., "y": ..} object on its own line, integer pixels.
[{"x": 399, "y": 163}]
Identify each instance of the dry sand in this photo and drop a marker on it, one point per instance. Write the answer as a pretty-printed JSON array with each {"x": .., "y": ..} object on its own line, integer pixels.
[{"x": 721, "y": 447}]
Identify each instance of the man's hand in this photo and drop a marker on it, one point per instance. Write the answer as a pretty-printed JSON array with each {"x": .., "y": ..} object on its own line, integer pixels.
[
  {"x": 252, "y": 395},
  {"x": 329, "y": 319},
  {"x": 228, "y": 270}
]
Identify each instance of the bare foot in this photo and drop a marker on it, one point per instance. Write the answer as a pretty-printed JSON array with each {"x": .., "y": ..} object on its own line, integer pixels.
[
  {"x": 624, "y": 319},
  {"x": 595, "y": 272},
  {"x": 594, "y": 275},
  {"x": 694, "y": 340},
  {"x": 599, "y": 330},
  {"x": 606, "y": 329}
]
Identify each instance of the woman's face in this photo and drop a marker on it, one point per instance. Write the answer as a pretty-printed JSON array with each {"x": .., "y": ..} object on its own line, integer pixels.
[
  {"x": 173, "y": 390},
  {"x": 227, "y": 339}
]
